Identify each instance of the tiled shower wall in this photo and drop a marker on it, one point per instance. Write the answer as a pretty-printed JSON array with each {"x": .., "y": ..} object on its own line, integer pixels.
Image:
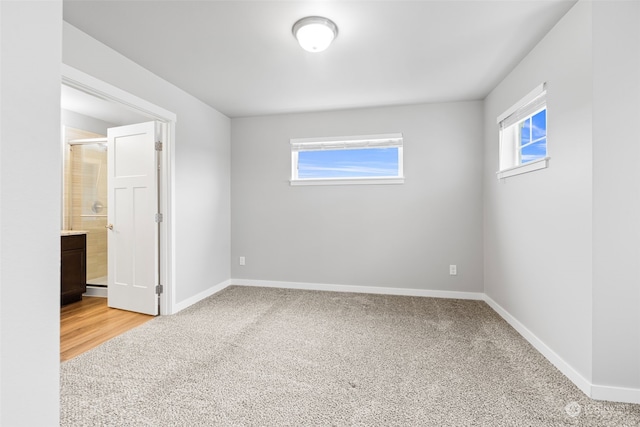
[{"x": 85, "y": 198}]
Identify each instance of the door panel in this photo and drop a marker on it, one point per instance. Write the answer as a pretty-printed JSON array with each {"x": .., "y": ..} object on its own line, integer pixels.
[{"x": 133, "y": 203}]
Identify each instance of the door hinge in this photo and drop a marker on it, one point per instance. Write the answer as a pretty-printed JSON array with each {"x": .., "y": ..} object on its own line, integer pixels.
[
  {"x": 158, "y": 145},
  {"x": 159, "y": 217},
  {"x": 159, "y": 289}
]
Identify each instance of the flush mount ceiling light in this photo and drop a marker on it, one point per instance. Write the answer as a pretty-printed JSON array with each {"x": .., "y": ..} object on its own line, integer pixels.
[{"x": 314, "y": 33}]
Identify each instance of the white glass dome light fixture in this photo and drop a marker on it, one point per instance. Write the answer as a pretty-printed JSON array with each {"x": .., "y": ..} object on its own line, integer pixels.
[{"x": 315, "y": 33}]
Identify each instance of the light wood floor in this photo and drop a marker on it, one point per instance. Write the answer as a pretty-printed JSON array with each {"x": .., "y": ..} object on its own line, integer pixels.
[{"x": 88, "y": 323}]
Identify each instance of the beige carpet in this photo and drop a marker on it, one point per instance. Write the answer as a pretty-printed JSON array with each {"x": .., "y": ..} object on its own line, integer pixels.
[{"x": 274, "y": 357}]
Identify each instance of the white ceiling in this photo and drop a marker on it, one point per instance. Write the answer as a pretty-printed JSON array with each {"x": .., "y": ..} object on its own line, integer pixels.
[{"x": 241, "y": 58}]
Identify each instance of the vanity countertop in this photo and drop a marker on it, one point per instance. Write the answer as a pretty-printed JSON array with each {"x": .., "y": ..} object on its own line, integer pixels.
[{"x": 72, "y": 232}]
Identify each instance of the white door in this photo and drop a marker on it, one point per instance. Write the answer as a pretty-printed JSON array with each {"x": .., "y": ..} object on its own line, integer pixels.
[{"x": 133, "y": 204}]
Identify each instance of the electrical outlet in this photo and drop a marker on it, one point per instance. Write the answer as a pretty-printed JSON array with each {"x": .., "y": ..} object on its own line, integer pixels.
[
  {"x": 453, "y": 270},
  {"x": 242, "y": 260}
]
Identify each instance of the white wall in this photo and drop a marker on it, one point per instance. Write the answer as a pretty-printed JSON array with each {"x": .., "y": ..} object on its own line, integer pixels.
[
  {"x": 201, "y": 170},
  {"x": 80, "y": 121},
  {"x": 30, "y": 212},
  {"x": 616, "y": 190},
  {"x": 399, "y": 236},
  {"x": 538, "y": 226}
]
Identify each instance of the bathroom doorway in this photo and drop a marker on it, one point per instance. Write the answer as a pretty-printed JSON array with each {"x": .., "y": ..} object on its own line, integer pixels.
[
  {"x": 86, "y": 120},
  {"x": 89, "y": 108}
]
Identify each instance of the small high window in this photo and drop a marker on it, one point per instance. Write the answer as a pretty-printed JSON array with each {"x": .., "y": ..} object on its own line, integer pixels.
[
  {"x": 523, "y": 135},
  {"x": 372, "y": 159}
]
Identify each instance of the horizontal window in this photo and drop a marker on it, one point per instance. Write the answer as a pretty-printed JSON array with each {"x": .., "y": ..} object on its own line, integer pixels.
[{"x": 347, "y": 160}]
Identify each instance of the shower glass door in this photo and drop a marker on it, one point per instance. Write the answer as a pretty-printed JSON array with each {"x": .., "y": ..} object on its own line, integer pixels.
[{"x": 86, "y": 188}]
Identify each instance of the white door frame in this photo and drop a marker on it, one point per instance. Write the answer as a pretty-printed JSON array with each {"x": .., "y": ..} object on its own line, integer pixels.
[{"x": 100, "y": 89}]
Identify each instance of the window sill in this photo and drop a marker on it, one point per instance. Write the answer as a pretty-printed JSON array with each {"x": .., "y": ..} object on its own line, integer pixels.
[
  {"x": 347, "y": 181},
  {"x": 527, "y": 167}
]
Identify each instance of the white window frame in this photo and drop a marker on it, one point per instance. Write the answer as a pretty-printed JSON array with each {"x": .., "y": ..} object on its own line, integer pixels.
[
  {"x": 347, "y": 143},
  {"x": 510, "y": 149}
]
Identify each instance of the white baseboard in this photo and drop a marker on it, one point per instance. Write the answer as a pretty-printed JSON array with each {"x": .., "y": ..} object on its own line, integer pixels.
[
  {"x": 615, "y": 394},
  {"x": 575, "y": 377},
  {"x": 598, "y": 392},
  {"x": 200, "y": 296},
  {"x": 360, "y": 289}
]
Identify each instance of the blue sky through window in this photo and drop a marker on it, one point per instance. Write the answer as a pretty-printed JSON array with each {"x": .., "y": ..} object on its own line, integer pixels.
[
  {"x": 533, "y": 137},
  {"x": 352, "y": 163}
]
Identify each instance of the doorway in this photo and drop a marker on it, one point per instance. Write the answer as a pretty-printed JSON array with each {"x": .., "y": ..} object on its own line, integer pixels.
[{"x": 89, "y": 108}]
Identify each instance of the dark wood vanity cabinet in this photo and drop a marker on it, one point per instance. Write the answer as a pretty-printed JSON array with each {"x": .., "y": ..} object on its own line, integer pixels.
[{"x": 73, "y": 269}]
